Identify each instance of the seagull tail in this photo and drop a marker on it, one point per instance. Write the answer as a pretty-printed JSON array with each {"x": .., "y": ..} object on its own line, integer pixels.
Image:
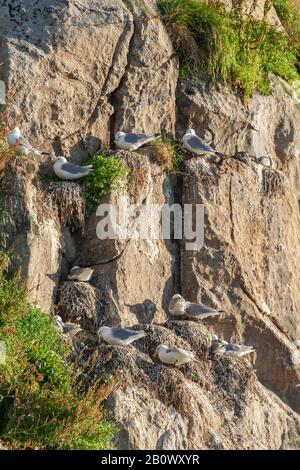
[
  {"x": 140, "y": 334},
  {"x": 215, "y": 313},
  {"x": 250, "y": 350},
  {"x": 34, "y": 152}
]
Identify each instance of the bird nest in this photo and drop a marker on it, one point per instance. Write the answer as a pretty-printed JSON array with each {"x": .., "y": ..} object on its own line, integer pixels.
[
  {"x": 137, "y": 364},
  {"x": 82, "y": 303},
  {"x": 68, "y": 200}
]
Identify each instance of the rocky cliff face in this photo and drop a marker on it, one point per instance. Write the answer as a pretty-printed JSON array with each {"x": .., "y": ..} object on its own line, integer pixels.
[{"x": 79, "y": 71}]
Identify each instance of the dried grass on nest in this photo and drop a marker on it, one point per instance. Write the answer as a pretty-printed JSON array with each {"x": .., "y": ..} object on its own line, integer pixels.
[
  {"x": 79, "y": 301},
  {"x": 233, "y": 377},
  {"x": 68, "y": 200},
  {"x": 136, "y": 366},
  {"x": 273, "y": 182}
]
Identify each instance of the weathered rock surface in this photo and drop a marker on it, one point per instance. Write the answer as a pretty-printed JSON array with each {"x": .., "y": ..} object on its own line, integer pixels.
[
  {"x": 249, "y": 263},
  {"x": 215, "y": 404},
  {"x": 31, "y": 231},
  {"x": 142, "y": 272},
  {"x": 79, "y": 70}
]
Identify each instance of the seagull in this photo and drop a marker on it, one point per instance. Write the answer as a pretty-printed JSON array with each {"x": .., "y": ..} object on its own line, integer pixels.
[
  {"x": 23, "y": 147},
  {"x": 222, "y": 347},
  {"x": 119, "y": 336},
  {"x": 195, "y": 144},
  {"x": 68, "y": 328},
  {"x": 80, "y": 274},
  {"x": 174, "y": 356},
  {"x": 69, "y": 171},
  {"x": 132, "y": 141},
  {"x": 180, "y": 307}
]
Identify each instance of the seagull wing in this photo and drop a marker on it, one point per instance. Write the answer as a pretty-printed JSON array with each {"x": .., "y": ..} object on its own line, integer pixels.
[
  {"x": 124, "y": 334},
  {"x": 194, "y": 309},
  {"x": 198, "y": 145},
  {"x": 73, "y": 169}
]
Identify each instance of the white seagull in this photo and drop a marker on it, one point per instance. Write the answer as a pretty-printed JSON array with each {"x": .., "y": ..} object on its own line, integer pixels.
[
  {"x": 119, "y": 336},
  {"x": 174, "y": 356},
  {"x": 80, "y": 274},
  {"x": 69, "y": 171},
  {"x": 178, "y": 306},
  {"x": 222, "y": 347},
  {"x": 195, "y": 144},
  {"x": 21, "y": 144},
  {"x": 132, "y": 141}
]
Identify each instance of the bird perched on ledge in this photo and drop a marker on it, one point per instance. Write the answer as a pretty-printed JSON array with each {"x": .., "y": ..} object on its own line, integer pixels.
[
  {"x": 69, "y": 171},
  {"x": 174, "y": 356},
  {"x": 220, "y": 346},
  {"x": 16, "y": 140},
  {"x": 132, "y": 141},
  {"x": 80, "y": 274},
  {"x": 193, "y": 143},
  {"x": 119, "y": 336},
  {"x": 178, "y": 306}
]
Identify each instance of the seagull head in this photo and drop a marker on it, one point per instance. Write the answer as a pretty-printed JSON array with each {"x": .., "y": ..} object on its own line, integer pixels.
[
  {"x": 119, "y": 135},
  {"x": 177, "y": 297},
  {"x": 215, "y": 338},
  {"x": 190, "y": 132},
  {"x": 13, "y": 136},
  {"x": 102, "y": 330},
  {"x": 61, "y": 159},
  {"x": 16, "y": 131},
  {"x": 160, "y": 348}
]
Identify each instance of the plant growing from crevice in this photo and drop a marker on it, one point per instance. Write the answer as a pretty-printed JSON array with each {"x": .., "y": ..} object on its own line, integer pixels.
[
  {"x": 228, "y": 46},
  {"x": 41, "y": 405},
  {"x": 108, "y": 173}
]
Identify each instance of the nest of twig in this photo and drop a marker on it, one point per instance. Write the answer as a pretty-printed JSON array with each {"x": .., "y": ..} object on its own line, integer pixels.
[
  {"x": 79, "y": 302},
  {"x": 68, "y": 200}
]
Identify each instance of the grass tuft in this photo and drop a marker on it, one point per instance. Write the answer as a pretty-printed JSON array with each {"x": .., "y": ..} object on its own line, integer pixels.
[{"x": 228, "y": 46}]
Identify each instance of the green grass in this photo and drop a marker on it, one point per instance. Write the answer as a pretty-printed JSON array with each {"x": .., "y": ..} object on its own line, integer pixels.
[
  {"x": 289, "y": 15},
  {"x": 40, "y": 405},
  {"x": 235, "y": 50},
  {"x": 108, "y": 173}
]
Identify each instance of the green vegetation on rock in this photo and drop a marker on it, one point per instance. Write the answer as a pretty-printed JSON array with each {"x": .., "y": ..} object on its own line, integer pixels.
[
  {"x": 228, "y": 46},
  {"x": 40, "y": 405},
  {"x": 108, "y": 173}
]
